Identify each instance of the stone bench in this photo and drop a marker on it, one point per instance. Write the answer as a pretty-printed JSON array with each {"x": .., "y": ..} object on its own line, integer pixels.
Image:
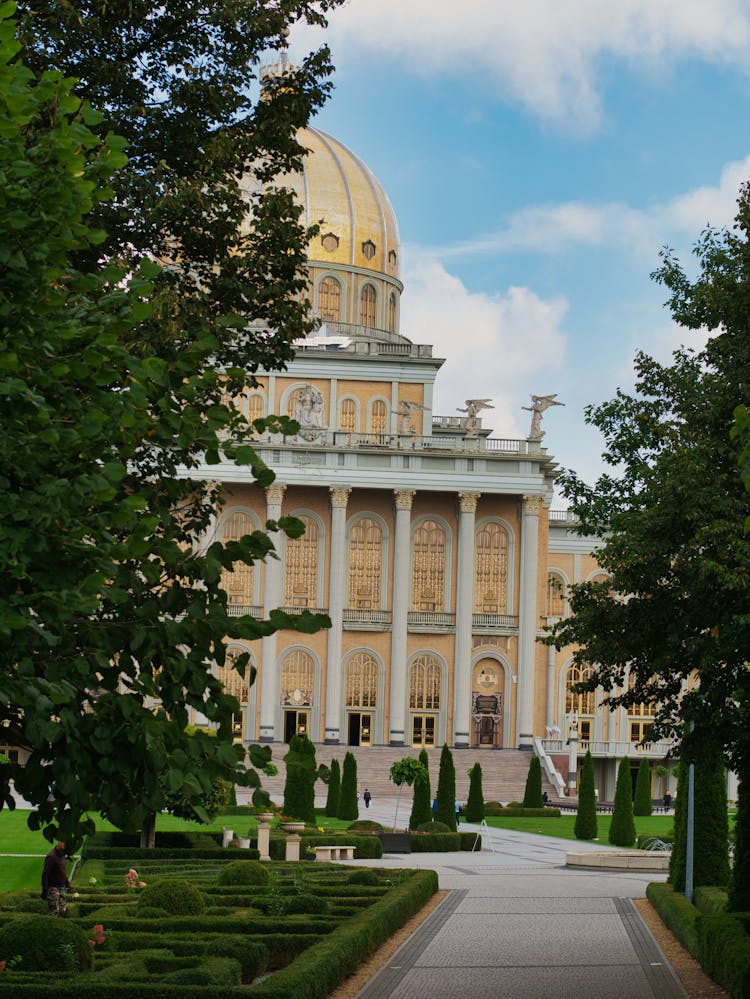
[{"x": 333, "y": 852}]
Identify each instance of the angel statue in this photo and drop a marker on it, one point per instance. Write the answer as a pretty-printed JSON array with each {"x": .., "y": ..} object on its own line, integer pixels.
[
  {"x": 473, "y": 407},
  {"x": 405, "y": 412},
  {"x": 539, "y": 403}
]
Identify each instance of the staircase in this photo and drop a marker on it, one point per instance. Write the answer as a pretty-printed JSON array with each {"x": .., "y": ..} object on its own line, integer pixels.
[{"x": 504, "y": 771}]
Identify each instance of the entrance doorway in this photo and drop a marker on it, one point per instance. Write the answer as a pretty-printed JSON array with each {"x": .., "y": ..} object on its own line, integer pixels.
[
  {"x": 359, "y": 728},
  {"x": 296, "y": 723},
  {"x": 423, "y": 730}
]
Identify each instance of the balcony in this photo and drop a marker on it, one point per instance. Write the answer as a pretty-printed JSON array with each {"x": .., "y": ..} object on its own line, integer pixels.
[
  {"x": 612, "y": 750},
  {"x": 361, "y": 619},
  {"x": 427, "y": 621},
  {"x": 240, "y": 610},
  {"x": 492, "y": 623}
]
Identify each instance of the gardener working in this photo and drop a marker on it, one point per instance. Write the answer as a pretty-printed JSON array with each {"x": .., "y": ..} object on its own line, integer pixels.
[{"x": 55, "y": 880}]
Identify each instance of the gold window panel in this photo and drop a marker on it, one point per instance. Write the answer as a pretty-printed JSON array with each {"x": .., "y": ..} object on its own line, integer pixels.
[
  {"x": 361, "y": 681},
  {"x": 379, "y": 417},
  {"x": 424, "y": 684},
  {"x": 428, "y": 567},
  {"x": 256, "y": 407},
  {"x": 348, "y": 415},
  {"x": 237, "y": 582},
  {"x": 555, "y": 595},
  {"x": 329, "y": 300},
  {"x": 491, "y": 570},
  {"x": 583, "y": 704},
  {"x": 367, "y": 306},
  {"x": 643, "y": 710},
  {"x": 301, "y": 567},
  {"x": 297, "y": 678},
  {"x": 365, "y": 564}
]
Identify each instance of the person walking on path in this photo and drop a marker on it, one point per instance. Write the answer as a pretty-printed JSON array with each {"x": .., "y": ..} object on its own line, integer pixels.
[
  {"x": 368, "y": 797},
  {"x": 55, "y": 881}
]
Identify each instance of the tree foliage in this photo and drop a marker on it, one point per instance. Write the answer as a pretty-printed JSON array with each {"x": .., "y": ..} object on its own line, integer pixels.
[
  {"x": 334, "y": 790},
  {"x": 114, "y": 380},
  {"x": 446, "y": 790},
  {"x": 421, "y": 807},
  {"x": 622, "y": 826},
  {"x": 532, "y": 795},
  {"x": 348, "y": 807},
  {"x": 642, "y": 799},
  {"x": 586, "y": 824},
  {"x": 301, "y": 773},
  {"x": 475, "y": 802}
]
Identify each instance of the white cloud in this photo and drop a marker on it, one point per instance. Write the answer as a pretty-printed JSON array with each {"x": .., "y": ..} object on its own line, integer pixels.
[
  {"x": 500, "y": 347},
  {"x": 542, "y": 54}
]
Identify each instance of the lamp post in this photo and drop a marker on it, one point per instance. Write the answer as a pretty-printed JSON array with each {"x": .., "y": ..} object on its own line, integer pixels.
[{"x": 572, "y": 752}]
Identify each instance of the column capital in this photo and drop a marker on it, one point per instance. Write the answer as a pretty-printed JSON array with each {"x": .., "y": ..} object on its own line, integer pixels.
[
  {"x": 404, "y": 498},
  {"x": 533, "y": 505},
  {"x": 467, "y": 502},
  {"x": 275, "y": 493},
  {"x": 339, "y": 496}
]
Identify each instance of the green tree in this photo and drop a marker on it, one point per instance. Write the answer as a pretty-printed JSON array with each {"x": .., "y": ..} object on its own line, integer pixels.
[
  {"x": 586, "y": 823},
  {"x": 334, "y": 790},
  {"x": 672, "y": 511},
  {"x": 404, "y": 771},
  {"x": 299, "y": 787},
  {"x": 622, "y": 827},
  {"x": 475, "y": 803},
  {"x": 711, "y": 824},
  {"x": 642, "y": 800},
  {"x": 113, "y": 382},
  {"x": 446, "y": 790},
  {"x": 532, "y": 795},
  {"x": 421, "y": 808},
  {"x": 348, "y": 807}
]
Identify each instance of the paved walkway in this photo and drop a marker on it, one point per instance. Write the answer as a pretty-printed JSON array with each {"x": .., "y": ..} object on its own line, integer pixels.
[{"x": 519, "y": 924}]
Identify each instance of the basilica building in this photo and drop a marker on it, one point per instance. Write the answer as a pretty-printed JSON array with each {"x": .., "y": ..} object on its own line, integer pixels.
[{"x": 428, "y": 541}]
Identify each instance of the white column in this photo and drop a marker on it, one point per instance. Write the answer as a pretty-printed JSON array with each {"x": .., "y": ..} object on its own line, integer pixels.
[
  {"x": 399, "y": 619},
  {"x": 550, "y": 685},
  {"x": 464, "y": 620},
  {"x": 527, "y": 620},
  {"x": 337, "y": 581},
  {"x": 272, "y": 597}
]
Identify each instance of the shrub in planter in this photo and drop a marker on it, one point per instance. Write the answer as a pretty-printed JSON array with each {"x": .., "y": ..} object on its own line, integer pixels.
[
  {"x": 179, "y": 898},
  {"x": 366, "y": 826},
  {"x": 366, "y": 877},
  {"x": 434, "y": 827},
  {"x": 46, "y": 944},
  {"x": 244, "y": 872},
  {"x": 447, "y": 842}
]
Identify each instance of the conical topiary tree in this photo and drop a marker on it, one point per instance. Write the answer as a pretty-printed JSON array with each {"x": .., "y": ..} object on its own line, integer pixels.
[
  {"x": 446, "y": 790},
  {"x": 586, "y": 824},
  {"x": 348, "y": 807},
  {"x": 739, "y": 889},
  {"x": 299, "y": 787},
  {"x": 532, "y": 796},
  {"x": 475, "y": 803},
  {"x": 622, "y": 827},
  {"x": 642, "y": 800},
  {"x": 334, "y": 790},
  {"x": 421, "y": 806}
]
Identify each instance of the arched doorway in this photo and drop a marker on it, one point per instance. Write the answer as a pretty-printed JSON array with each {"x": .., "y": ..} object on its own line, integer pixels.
[{"x": 487, "y": 704}]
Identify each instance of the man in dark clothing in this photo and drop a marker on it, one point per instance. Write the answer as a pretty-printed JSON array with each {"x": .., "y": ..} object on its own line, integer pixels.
[
  {"x": 55, "y": 880},
  {"x": 368, "y": 798}
]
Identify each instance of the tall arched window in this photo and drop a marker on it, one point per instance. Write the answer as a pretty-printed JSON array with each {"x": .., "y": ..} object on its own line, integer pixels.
[
  {"x": 237, "y": 582},
  {"x": 491, "y": 570},
  {"x": 329, "y": 300},
  {"x": 365, "y": 564},
  {"x": 348, "y": 415},
  {"x": 367, "y": 306},
  {"x": 361, "y": 681},
  {"x": 556, "y": 595},
  {"x": 301, "y": 567},
  {"x": 392, "y": 313},
  {"x": 428, "y": 567},
  {"x": 256, "y": 406},
  {"x": 297, "y": 678},
  {"x": 424, "y": 684},
  {"x": 379, "y": 417},
  {"x": 583, "y": 704},
  {"x": 640, "y": 717}
]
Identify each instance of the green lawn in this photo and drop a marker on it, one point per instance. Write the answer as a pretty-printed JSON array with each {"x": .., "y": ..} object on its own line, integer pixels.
[{"x": 651, "y": 825}]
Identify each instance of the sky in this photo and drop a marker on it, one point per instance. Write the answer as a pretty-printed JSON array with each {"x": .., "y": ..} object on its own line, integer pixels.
[{"x": 538, "y": 156}]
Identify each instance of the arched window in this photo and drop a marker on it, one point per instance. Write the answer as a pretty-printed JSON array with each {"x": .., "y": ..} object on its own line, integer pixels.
[
  {"x": 297, "y": 678},
  {"x": 556, "y": 595},
  {"x": 640, "y": 717},
  {"x": 365, "y": 564},
  {"x": 424, "y": 684},
  {"x": 392, "y": 313},
  {"x": 329, "y": 300},
  {"x": 367, "y": 306},
  {"x": 256, "y": 406},
  {"x": 379, "y": 417},
  {"x": 491, "y": 570},
  {"x": 582, "y": 704},
  {"x": 301, "y": 567},
  {"x": 348, "y": 415},
  {"x": 428, "y": 567},
  {"x": 361, "y": 681},
  {"x": 237, "y": 582}
]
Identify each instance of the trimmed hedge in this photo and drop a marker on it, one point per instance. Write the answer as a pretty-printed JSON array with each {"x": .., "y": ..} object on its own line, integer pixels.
[
  {"x": 676, "y": 913},
  {"x": 244, "y": 872},
  {"x": 46, "y": 944},
  {"x": 723, "y": 949},
  {"x": 179, "y": 898},
  {"x": 710, "y": 900},
  {"x": 494, "y": 809},
  {"x": 366, "y": 847},
  {"x": 162, "y": 853}
]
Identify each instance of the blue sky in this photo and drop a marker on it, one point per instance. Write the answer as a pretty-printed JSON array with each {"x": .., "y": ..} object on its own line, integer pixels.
[{"x": 538, "y": 156}]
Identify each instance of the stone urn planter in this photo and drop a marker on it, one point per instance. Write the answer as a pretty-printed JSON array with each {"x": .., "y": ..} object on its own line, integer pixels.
[
  {"x": 396, "y": 842},
  {"x": 293, "y": 827},
  {"x": 264, "y": 816}
]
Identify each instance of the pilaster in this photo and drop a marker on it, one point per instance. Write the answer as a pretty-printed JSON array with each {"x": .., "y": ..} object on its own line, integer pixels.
[
  {"x": 337, "y": 583},
  {"x": 399, "y": 618}
]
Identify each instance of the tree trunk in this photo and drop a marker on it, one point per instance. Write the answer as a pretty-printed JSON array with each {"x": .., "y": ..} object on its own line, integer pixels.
[{"x": 148, "y": 832}]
